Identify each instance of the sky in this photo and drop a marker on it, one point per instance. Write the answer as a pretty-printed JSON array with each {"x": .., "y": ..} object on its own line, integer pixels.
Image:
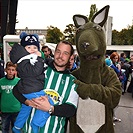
[{"x": 39, "y": 14}]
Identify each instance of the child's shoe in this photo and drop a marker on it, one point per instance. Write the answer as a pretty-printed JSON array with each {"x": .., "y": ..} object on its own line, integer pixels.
[{"x": 15, "y": 130}]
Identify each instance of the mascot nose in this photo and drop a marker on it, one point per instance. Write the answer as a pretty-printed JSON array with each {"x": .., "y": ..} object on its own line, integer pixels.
[{"x": 85, "y": 45}]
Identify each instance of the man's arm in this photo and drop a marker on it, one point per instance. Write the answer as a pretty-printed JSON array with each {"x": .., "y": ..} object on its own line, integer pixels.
[
  {"x": 18, "y": 95},
  {"x": 65, "y": 110}
]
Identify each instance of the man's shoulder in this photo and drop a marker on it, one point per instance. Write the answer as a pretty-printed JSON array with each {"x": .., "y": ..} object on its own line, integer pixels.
[{"x": 72, "y": 76}]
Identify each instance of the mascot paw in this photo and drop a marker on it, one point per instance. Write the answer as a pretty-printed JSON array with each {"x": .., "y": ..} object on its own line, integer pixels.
[{"x": 82, "y": 89}]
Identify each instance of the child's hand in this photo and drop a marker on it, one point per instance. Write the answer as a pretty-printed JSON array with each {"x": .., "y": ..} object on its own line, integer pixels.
[{"x": 38, "y": 53}]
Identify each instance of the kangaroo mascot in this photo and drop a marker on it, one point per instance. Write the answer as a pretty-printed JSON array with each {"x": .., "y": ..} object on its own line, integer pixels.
[{"x": 99, "y": 88}]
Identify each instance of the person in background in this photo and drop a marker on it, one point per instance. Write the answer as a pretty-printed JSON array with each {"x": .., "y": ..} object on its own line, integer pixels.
[
  {"x": 72, "y": 64},
  {"x": 108, "y": 60},
  {"x": 51, "y": 53},
  {"x": 47, "y": 51},
  {"x": 115, "y": 62},
  {"x": 122, "y": 57},
  {"x": 48, "y": 55},
  {"x": 117, "y": 68},
  {"x": 130, "y": 87},
  {"x": 2, "y": 72},
  {"x": 30, "y": 68},
  {"x": 10, "y": 106},
  {"x": 128, "y": 70},
  {"x": 59, "y": 84},
  {"x": 131, "y": 61},
  {"x": 77, "y": 60}
]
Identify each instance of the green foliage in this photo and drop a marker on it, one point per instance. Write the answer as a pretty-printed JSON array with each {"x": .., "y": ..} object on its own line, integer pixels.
[
  {"x": 124, "y": 37},
  {"x": 93, "y": 10},
  {"x": 54, "y": 35},
  {"x": 69, "y": 33}
]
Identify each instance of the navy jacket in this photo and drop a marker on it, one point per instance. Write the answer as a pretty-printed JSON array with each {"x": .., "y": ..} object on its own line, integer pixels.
[{"x": 31, "y": 76}]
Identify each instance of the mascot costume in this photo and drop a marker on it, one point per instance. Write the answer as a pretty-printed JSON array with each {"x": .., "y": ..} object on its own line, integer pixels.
[{"x": 99, "y": 88}]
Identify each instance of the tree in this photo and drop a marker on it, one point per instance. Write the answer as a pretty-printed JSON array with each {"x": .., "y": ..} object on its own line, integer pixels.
[
  {"x": 130, "y": 35},
  {"x": 93, "y": 10},
  {"x": 124, "y": 37},
  {"x": 69, "y": 33},
  {"x": 54, "y": 35}
]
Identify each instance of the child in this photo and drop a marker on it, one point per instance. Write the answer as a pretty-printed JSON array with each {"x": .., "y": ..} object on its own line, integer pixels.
[
  {"x": 30, "y": 67},
  {"x": 10, "y": 106}
]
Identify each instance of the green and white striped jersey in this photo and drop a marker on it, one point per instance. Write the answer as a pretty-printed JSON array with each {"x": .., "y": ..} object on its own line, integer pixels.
[{"x": 61, "y": 88}]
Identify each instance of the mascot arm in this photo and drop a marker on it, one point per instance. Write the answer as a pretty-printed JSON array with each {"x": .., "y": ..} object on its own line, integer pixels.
[{"x": 108, "y": 94}]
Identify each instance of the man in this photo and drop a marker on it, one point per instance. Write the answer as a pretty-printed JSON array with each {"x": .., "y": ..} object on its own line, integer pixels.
[
  {"x": 72, "y": 64},
  {"x": 46, "y": 51},
  {"x": 60, "y": 86},
  {"x": 122, "y": 57}
]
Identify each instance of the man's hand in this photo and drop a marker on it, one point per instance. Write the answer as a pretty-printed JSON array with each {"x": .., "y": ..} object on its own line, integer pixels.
[{"x": 41, "y": 103}]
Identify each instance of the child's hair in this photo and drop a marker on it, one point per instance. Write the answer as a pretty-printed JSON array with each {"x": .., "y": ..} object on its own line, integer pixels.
[{"x": 10, "y": 64}]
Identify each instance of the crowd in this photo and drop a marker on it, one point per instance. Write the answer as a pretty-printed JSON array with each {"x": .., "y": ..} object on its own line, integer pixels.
[
  {"x": 59, "y": 105},
  {"x": 123, "y": 67}
]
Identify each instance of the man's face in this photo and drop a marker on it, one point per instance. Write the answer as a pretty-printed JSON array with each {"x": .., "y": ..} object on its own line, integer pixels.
[{"x": 62, "y": 55}]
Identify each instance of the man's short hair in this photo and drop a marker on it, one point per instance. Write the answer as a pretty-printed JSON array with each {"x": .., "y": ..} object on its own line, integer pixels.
[{"x": 67, "y": 43}]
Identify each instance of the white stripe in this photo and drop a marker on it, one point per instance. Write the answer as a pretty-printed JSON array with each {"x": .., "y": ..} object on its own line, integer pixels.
[
  {"x": 32, "y": 114},
  {"x": 50, "y": 80},
  {"x": 73, "y": 97},
  {"x": 58, "y": 82},
  {"x": 34, "y": 56},
  {"x": 47, "y": 125},
  {"x": 55, "y": 125},
  {"x": 60, "y": 125},
  {"x": 26, "y": 126},
  {"x": 65, "y": 87}
]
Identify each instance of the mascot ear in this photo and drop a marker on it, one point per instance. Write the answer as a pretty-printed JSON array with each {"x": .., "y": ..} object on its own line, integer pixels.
[
  {"x": 79, "y": 20},
  {"x": 101, "y": 16}
]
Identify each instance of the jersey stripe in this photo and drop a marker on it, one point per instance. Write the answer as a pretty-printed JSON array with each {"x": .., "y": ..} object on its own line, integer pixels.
[{"x": 62, "y": 84}]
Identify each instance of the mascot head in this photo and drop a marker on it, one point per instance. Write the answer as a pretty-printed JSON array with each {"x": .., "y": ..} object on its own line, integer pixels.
[{"x": 90, "y": 37}]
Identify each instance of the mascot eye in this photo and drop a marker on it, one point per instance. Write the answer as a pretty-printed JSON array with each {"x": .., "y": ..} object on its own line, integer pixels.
[{"x": 97, "y": 27}]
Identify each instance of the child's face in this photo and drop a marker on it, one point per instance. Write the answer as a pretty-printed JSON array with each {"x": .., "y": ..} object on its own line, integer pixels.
[
  {"x": 11, "y": 72},
  {"x": 31, "y": 49}
]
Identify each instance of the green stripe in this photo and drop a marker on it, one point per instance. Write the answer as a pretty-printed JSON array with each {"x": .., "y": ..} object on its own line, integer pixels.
[{"x": 62, "y": 92}]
